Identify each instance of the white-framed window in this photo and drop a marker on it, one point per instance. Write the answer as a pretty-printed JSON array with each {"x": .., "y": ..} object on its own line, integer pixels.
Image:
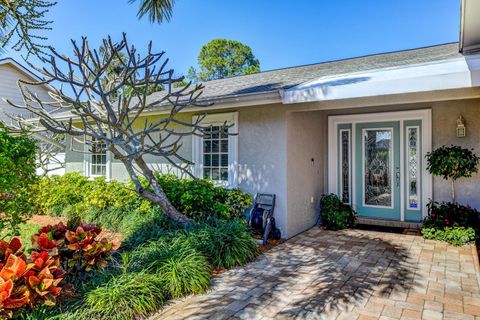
[
  {"x": 97, "y": 160},
  {"x": 215, "y": 154}
]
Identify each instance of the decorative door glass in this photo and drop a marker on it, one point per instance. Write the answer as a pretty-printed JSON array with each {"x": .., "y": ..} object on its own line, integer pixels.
[
  {"x": 345, "y": 165},
  {"x": 412, "y": 167},
  {"x": 378, "y": 167}
]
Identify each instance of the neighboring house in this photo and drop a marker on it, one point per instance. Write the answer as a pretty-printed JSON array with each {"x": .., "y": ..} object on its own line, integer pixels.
[
  {"x": 10, "y": 72},
  {"x": 357, "y": 127}
]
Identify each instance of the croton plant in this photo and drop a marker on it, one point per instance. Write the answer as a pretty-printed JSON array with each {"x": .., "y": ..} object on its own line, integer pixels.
[
  {"x": 59, "y": 254},
  {"x": 27, "y": 282},
  {"x": 78, "y": 247}
]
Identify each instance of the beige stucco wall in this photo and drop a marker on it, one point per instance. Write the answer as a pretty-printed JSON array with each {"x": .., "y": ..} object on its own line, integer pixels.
[{"x": 306, "y": 162}]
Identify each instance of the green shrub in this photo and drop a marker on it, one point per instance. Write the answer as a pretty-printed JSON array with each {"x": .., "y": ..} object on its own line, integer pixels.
[
  {"x": 201, "y": 199},
  {"x": 451, "y": 222},
  {"x": 227, "y": 243},
  {"x": 52, "y": 195},
  {"x": 17, "y": 174},
  {"x": 335, "y": 214},
  {"x": 125, "y": 297},
  {"x": 458, "y": 236}
]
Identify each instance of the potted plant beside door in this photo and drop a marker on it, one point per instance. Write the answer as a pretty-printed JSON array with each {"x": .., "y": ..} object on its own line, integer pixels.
[{"x": 450, "y": 221}]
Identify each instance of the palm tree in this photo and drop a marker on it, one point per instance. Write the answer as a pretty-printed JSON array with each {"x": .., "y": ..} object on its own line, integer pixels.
[{"x": 157, "y": 10}]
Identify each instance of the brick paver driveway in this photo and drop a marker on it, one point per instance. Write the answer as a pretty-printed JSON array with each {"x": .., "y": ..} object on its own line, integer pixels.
[{"x": 350, "y": 275}]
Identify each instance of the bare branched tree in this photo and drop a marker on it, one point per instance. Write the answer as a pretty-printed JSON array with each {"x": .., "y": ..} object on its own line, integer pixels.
[{"x": 110, "y": 107}]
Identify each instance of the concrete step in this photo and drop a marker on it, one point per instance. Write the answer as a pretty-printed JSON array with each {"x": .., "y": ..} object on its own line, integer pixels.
[{"x": 389, "y": 223}]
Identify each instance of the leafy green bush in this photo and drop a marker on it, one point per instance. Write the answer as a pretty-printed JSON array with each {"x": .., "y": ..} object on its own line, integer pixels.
[
  {"x": 116, "y": 206},
  {"x": 17, "y": 174},
  {"x": 227, "y": 243},
  {"x": 200, "y": 199},
  {"x": 125, "y": 297},
  {"x": 458, "y": 236},
  {"x": 52, "y": 195},
  {"x": 335, "y": 214}
]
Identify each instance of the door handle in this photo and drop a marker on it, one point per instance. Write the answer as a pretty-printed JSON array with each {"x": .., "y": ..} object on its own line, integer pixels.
[{"x": 397, "y": 177}]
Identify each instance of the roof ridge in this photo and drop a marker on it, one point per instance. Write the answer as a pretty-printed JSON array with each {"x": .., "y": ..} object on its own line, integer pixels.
[{"x": 335, "y": 60}]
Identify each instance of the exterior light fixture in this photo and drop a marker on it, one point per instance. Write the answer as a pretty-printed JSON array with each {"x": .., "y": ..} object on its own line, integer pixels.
[{"x": 461, "y": 129}]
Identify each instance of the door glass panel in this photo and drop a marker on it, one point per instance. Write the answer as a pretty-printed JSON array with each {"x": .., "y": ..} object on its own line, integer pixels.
[
  {"x": 377, "y": 166},
  {"x": 412, "y": 154},
  {"x": 345, "y": 165}
]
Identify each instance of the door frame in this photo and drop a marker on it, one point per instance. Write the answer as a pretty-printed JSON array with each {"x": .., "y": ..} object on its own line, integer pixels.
[{"x": 424, "y": 115}]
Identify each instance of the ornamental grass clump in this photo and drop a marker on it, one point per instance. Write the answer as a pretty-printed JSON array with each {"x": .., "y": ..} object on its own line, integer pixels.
[
  {"x": 125, "y": 297},
  {"x": 226, "y": 243},
  {"x": 181, "y": 267}
]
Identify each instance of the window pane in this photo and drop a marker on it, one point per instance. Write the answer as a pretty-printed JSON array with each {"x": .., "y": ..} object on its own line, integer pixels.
[
  {"x": 207, "y": 160},
  {"x": 224, "y": 146},
  {"x": 215, "y": 160},
  {"x": 224, "y": 174},
  {"x": 215, "y": 132},
  {"x": 378, "y": 167},
  {"x": 215, "y": 146},
  {"x": 224, "y": 133},
  {"x": 207, "y": 146},
  {"x": 206, "y": 173},
  {"x": 224, "y": 157},
  {"x": 215, "y": 154},
  {"x": 216, "y": 174}
]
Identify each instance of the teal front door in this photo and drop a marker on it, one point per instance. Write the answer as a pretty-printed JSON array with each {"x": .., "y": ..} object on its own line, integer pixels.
[{"x": 377, "y": 170}]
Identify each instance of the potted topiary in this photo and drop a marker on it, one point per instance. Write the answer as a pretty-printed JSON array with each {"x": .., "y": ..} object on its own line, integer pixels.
[{"x": 452, "y": 163}]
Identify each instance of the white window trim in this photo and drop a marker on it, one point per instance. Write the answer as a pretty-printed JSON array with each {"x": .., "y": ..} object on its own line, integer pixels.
[
  {"x": 87, "y": 159},
  {"x": 230, "y": 118}
]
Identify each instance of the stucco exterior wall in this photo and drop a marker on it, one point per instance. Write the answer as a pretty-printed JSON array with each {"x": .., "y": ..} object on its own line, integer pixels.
[
  {"x": 262, "y": 156},
  {"x": 306, "y": 162}
]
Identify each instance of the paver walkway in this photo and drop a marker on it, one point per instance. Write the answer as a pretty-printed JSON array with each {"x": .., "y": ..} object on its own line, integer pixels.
[{"x": 350, "y": 274}]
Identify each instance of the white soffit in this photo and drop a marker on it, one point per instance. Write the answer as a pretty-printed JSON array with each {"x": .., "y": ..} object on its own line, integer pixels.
[
  {"x": 455, "y": 73},
  {"x": 470, "y": 26}
]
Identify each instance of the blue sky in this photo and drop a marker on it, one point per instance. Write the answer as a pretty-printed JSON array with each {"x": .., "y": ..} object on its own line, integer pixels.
[{"x": 281, "y": 33}]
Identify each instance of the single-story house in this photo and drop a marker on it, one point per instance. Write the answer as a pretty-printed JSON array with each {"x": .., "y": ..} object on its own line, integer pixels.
[
  {"x": 359, "y": 128},
  {"x": 11, "y": 72}
]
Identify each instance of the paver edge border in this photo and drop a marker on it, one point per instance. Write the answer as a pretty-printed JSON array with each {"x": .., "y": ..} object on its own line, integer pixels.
[{"x": 476, "y": 262}]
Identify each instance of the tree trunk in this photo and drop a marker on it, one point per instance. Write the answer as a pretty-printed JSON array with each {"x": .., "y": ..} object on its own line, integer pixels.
[
  {"x": 159, "y": 197},
  {"x": 453, "y": 191}
]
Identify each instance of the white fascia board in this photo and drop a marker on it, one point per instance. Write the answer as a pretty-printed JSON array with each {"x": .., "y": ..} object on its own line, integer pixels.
[{"x": 455, "y": 73}]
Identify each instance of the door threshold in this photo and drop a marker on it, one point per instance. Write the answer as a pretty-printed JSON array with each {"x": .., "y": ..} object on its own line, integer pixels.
[{"x": 389, "y": 223}]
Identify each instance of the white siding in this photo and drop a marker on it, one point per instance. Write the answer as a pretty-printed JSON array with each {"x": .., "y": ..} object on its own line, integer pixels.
[{"x": 9, "y": 75}]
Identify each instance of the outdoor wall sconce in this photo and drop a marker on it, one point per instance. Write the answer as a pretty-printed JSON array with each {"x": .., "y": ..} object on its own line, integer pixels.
[{"x": 461, "y": 129}]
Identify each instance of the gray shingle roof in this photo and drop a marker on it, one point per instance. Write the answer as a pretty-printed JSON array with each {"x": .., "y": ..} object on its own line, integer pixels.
[{"x": 275, "y": 80}]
